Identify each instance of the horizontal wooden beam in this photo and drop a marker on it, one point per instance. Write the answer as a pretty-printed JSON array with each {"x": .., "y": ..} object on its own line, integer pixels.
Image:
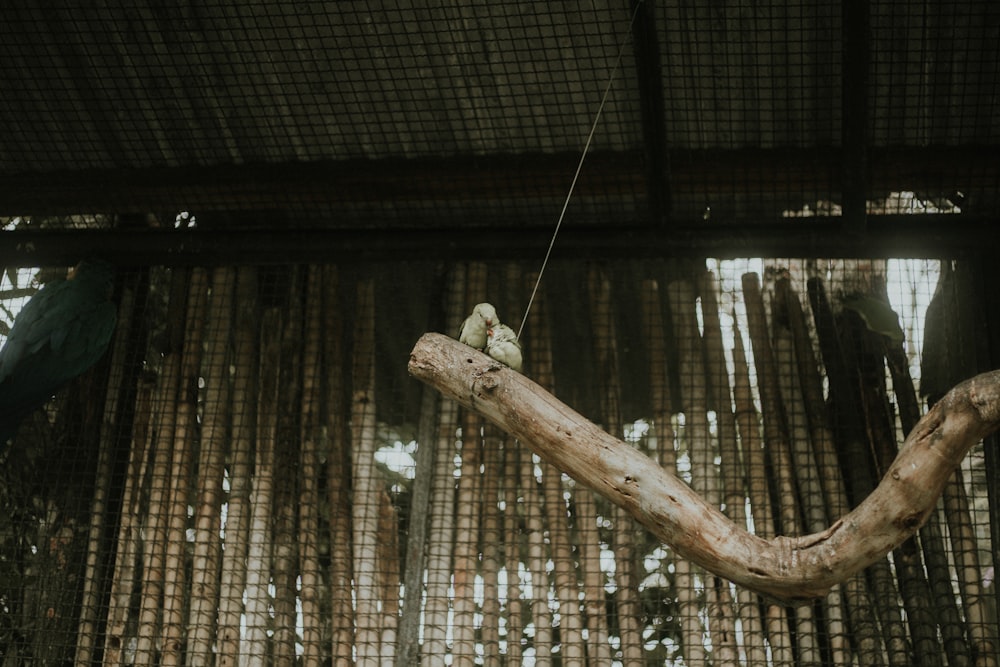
[
  {"x": 447, "y": 189},
  {"x": 929, "y": 236}
]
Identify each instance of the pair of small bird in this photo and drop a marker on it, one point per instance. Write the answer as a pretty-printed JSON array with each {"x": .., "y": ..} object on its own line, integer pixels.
[{"x": 482, "y": 329}]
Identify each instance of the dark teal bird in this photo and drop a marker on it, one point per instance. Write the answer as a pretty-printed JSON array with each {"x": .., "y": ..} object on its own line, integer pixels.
[{"x": 61, "y": 332}]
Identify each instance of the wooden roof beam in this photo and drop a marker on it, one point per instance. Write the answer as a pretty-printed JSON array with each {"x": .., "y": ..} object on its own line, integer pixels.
[
  {"x": 927, "y": 236},
  {"x": 532, "y": 180}
]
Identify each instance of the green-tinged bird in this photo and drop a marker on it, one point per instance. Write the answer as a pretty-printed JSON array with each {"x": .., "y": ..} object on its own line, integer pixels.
[
  {"x": 502, "y": 345},
  {"x": 61, "y": 332},
  {"x": 473, "y": 333},
  {"x": 878, "y": 316}
]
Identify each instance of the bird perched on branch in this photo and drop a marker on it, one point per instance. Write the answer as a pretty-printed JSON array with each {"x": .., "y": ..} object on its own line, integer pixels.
[
  {"x": 877, "y": 315},
  {"x": 502, "y": 345},
  {"x": 473, "y": 334},
  {"x": 61, "y": 332}
]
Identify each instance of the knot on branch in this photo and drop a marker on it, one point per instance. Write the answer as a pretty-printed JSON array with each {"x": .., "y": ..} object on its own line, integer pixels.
[
  {"x": 984, "y": 395},
  {"x": 485, "y": 382}
]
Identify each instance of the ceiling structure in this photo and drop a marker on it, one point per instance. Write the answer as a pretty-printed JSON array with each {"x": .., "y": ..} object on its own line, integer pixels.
[{"x": 728, "y": 127}]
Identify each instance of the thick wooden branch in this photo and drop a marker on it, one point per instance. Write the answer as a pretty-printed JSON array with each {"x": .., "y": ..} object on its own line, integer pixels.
[{"x": 791, "y": 569}]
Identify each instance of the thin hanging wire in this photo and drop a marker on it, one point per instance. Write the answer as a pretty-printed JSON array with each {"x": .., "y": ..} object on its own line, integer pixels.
[{"x": 579, "y": 166}]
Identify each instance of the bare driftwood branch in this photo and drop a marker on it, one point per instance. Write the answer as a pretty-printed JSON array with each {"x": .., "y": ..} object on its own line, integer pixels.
[{"x": 792, "y": 569}]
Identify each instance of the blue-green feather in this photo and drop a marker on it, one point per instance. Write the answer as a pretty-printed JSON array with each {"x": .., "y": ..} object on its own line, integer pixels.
[{"x": 61, "y": 332}]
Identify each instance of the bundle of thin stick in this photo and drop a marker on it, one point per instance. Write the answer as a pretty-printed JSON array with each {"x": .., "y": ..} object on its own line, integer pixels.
[
  {"x": 789, "y": 569},
  {"x": 259, "y": 387}
]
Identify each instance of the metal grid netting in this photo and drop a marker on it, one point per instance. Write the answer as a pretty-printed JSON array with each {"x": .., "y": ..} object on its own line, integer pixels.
[
  {"x": 952, "y": 83},
  {"x": 400, "y": 113},
  {"x": 250, "y": 472},
  {"x": 280, "y": 83}
]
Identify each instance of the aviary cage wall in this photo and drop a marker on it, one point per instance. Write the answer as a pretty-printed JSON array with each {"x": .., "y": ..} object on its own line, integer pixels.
[
  {"x": 294, "y": 192},
  {"x": 250, "y": 476}
]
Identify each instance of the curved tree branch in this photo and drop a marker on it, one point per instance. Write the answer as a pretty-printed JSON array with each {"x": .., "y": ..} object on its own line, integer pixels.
[{"x": 791, "y": 569}]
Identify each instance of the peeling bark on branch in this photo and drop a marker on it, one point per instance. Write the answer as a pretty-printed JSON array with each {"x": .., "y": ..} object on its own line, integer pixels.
[{"x": 791, "y": 569}]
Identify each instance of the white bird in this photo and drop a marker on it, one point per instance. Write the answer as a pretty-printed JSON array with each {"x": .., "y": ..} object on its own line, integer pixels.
[
  {"x": 502, "y": 345},
  {"x": 473, "y": 334}
]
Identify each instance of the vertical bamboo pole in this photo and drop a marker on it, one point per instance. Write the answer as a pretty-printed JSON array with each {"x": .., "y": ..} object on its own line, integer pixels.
[
  {"x": 254, "y": 640},
  {"x": 512, "y": 550},
  {"x": 490, "y": 568},
  {"x": 284, "y": 541},
  {"x": 311, "y": 436},
  {"x": 242, "y": 438},
  {"x": 966, "y": 554},
  {"x": 853, "y": 446},
  {"x": 748, "y": 422},
  {"x": 845, "y": 407},
  {"x": 94, "y": 575},
  {"x": 778, "y": 447},
  {"x": 466, "y": 542},
  {"x": 442, "y": 528},
  {"x": 388, "y": 568},
  {"x": 492, "y": 516},
  {"x": 932, "y": 544},
  {"x": 806, "y": 472},
  {"x": 211, "y": 470},
  {"x": 416, "y": 546},
  {"x": 939, "y": 572},
  {"x": 338, "y": 471},
  {"x": 185, "y": 433},
  {"x": 537, "y": 559},
  {"x": 813, "y": 515},
  {"x": 775, "y": 435},
  {"x": 655, "y": 334},
  {"x": 863, "y": 628},
  {"x": 701, "y": 450},
  {"x": 365, "y": 483},
  {"x": 815, "y": 518},
  {"x": 469, "y": 503},
  {"x": 626, "y": 595},
  {"x": 534, "y": 523},
  {"x": 886, "y": 599},
  {"x": 594, "y": 603},
  {"x": 661, "y": 434},
  {"x": 155, "y": 530},
  {"x": 536, "y": 554},
  {"x": 126, "y": 576},
  {"x": 849, "y": 410},
  {"x": 567, "y": 589},
  {"x": 732, "y": 473},
  {"x": 867, "y": 353}
]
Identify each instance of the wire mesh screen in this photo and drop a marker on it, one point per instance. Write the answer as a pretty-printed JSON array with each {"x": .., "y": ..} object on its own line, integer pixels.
[
  {"x": 237, "y": 467},
  {"x": 408, "y": 114},
  {"x": 249, "y": 474}
]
